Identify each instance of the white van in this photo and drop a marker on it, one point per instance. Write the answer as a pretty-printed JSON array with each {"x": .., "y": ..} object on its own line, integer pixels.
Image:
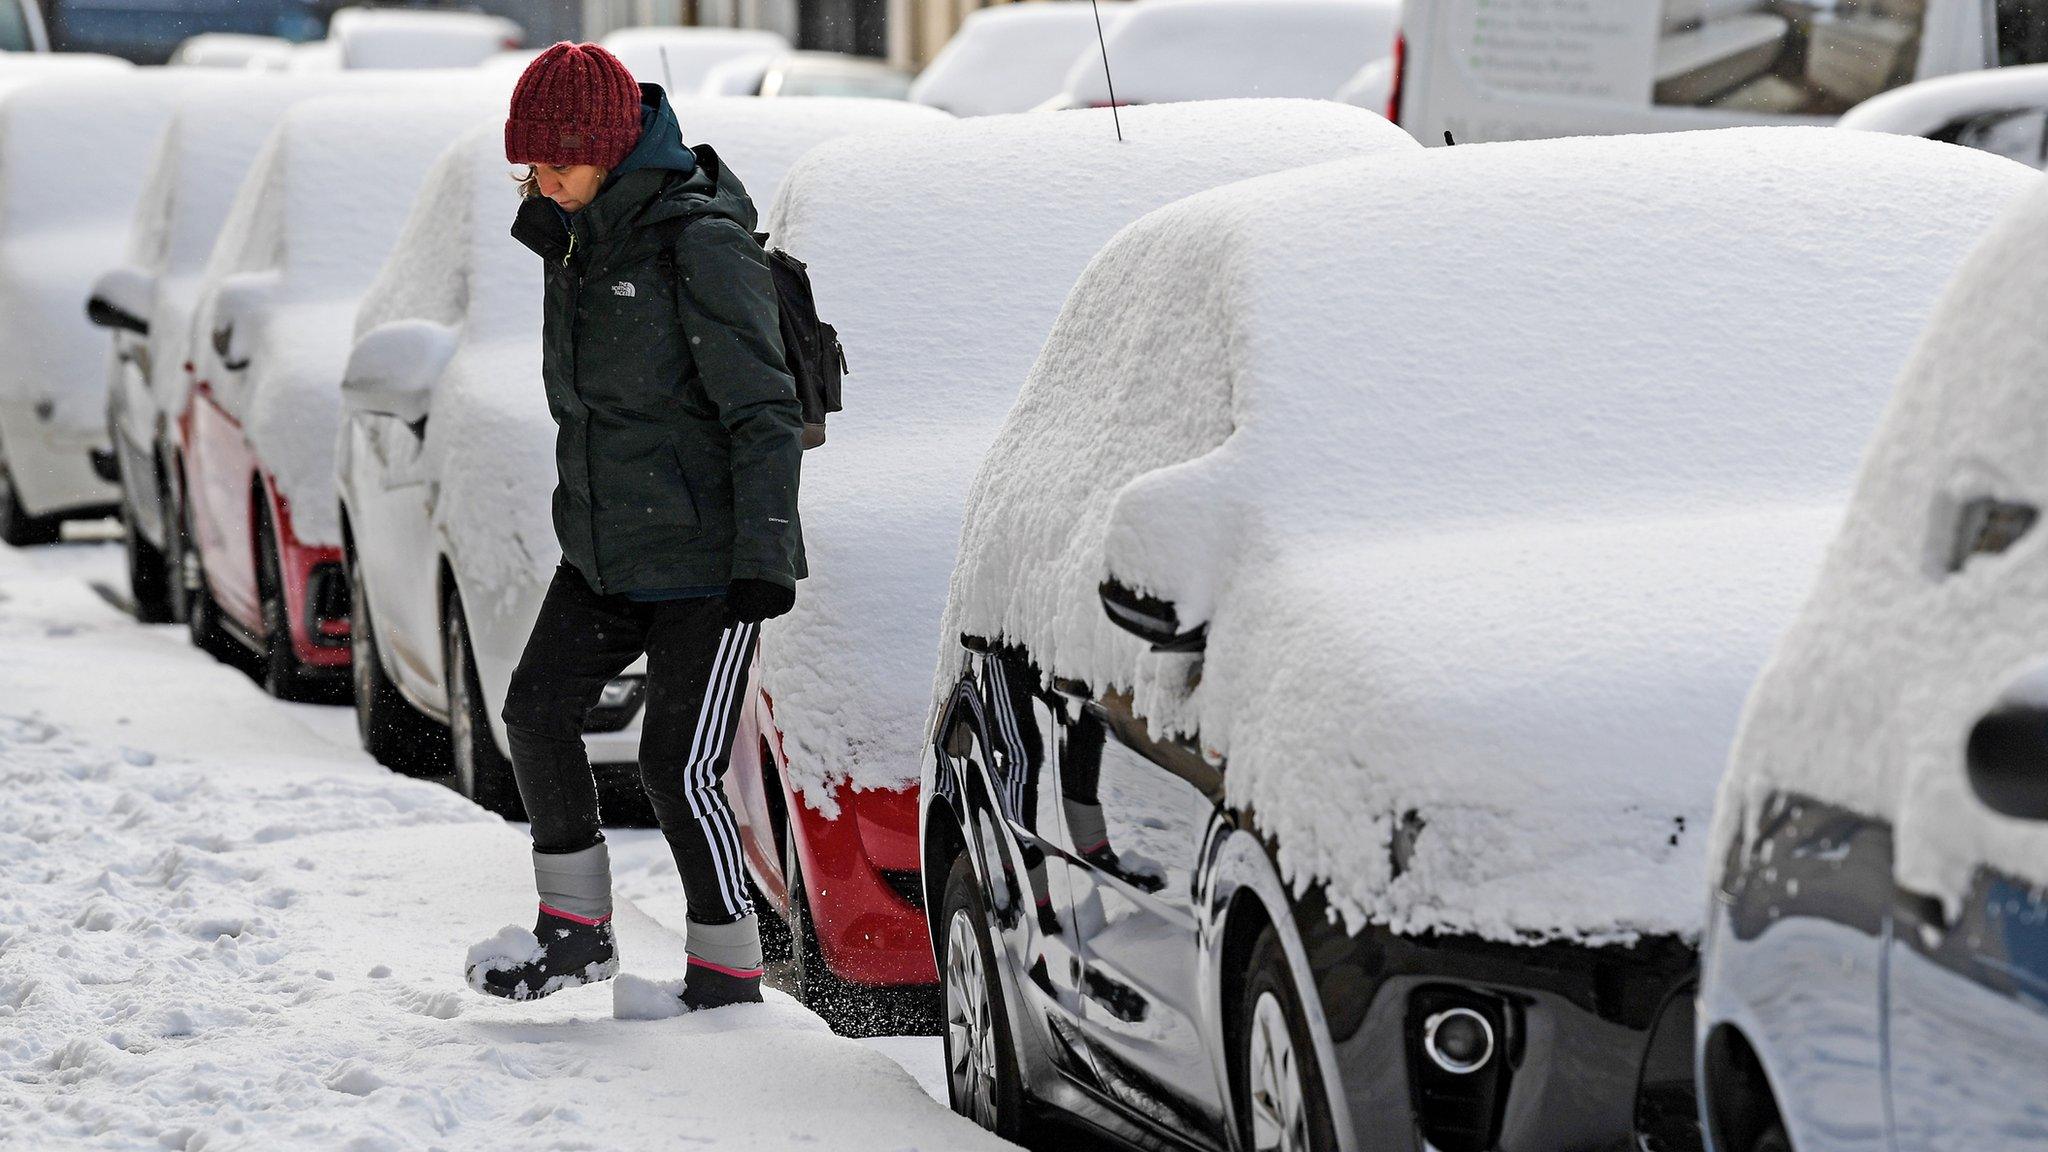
[{"x": 1520, "y": 69}]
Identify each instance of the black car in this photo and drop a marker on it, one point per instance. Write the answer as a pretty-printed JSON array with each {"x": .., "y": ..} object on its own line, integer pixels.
[{"x": 1116, "y": 944}]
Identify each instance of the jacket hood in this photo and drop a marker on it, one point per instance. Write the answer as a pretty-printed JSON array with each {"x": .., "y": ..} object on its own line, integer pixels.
[{"x": 661, "y": 138}]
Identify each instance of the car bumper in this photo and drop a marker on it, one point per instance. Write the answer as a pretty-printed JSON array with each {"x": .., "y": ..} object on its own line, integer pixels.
[
  {"x": 862, "y": 870},
  {"x": 316, "y": 598}
]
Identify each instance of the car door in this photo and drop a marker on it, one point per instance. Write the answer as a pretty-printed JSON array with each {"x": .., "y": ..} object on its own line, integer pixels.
[
  {"x": 1138, "y": 811},
  {"x": 1968, "y": 987}
]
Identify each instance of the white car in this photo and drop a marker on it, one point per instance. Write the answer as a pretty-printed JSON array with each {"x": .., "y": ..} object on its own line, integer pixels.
[
  {"x": 942, "y": 258},
  {"x": 1013, "y": 57},
  {"x": 806, "y": 74},
  {"x": 678, "y": 59},
  {"x": 416, "y": 38},
  {"x": 73, "y": 155},
  {"x": 1875, "y": 968},
  {"x": 2003, "y": 110},
  {"x": 145, "y": 302},
  {"x": 271, "y": 329},
  {"x": 446, "y": 461},
  {"x": 1354, "y": 615},
  {"x": 1170, "y": 50},
  {"x": 233, "y": 50}
]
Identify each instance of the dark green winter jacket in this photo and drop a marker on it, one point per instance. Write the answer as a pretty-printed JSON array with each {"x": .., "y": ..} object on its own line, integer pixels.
[{"x": 679, "y": 435}]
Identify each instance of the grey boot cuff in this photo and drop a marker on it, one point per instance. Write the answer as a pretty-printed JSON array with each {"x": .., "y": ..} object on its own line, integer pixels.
[
  {"x": 1085, "y": 825},
  {"x": 735, "y": 947},
  {"x": 579, "y": 883}
]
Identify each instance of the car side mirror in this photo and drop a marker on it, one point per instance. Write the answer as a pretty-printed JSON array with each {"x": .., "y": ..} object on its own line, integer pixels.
[
  {"x": 121, "y": 300},
  {"x": 394, "y": 366},
  {"x": 236, "y": 304},
  {"x": 2008, "y": 761},
  {"x": 1150, "y": 619}
]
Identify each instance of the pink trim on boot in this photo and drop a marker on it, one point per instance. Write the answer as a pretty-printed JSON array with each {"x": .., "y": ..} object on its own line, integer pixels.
[
  {"x": 574, "y": 918},
  {"x": 736, "y": 973}
]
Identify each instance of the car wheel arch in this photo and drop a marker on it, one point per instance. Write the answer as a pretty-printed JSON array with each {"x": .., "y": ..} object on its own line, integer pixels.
[
  {"x": 1241, "y": 894},
  {"x": 1738, "y": 1099}
]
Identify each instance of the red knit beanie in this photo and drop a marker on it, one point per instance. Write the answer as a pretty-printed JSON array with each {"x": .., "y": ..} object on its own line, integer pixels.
[{"x": 575, "y": 104}]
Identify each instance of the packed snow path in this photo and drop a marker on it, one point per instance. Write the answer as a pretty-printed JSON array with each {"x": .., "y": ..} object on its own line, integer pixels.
[{"x": 221, "y": 926}]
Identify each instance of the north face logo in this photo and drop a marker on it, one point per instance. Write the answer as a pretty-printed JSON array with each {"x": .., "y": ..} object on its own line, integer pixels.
[{"x": 623, "y": 288}]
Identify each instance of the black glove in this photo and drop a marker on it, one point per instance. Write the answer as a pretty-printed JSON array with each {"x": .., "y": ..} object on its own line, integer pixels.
[{"x": 749, "y": 601}]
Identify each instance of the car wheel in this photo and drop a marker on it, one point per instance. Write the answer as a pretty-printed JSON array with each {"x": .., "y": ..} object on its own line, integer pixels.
[
  {"x": 148, "y": 578},
  {"x": 283, "y": 675},
  {"x": 482, "y": 773},
  {"x": 1281, "y": 1106},
  {"x": 393, "y": 732},
  {"x": 17, "y": 527},
  {"x": 850, "y": 1009},
  {"x": 203, "y": 618},
  {"x": 982, "y": 1081}
]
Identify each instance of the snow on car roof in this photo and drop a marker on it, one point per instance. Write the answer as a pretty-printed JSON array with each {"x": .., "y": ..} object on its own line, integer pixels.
[
  {"x": 1493, "y": 471},
  {"x": 1912, "y": 634},
  {"x": 73, "y": 154},
  {"x": 490, "y": 432},
  {"x": 1166, "y": 50},
  {"x": 678, "y": 59},
  {"x": 411, "y": 38},
  {"x": 1011, "y": 58},
  {"x": 942, "y": 258},
  {"x": 321, "y": 206}
]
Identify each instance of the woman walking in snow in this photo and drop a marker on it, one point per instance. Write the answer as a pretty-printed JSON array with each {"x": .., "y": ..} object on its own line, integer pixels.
[{"x": 678, "y": 446}]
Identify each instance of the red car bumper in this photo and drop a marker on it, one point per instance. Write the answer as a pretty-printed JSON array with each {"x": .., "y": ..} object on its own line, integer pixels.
[
  {"x": 315, "y": 593},
  {"x": 860, "y": 867}
]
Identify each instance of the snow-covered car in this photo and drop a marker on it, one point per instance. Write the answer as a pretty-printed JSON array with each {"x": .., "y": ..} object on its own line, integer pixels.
[
  {"x": 806, "y": 74},
  {"x": 21, "y": 27},
  {"x": 1169, "y": 50},
  {"x": 240, "y": 50},
  {"x": 2004, "y": 110},
  {"x": 417, "y": 38},
  {"x": 271, "y": 329},
  {"x": 942, "y": 258},
  {"x": 678, "y": 59},
  {"x": 1353, "y": 617},
  {"x": 73, "y": 154},
  {"x": 445, "y": 463},
  {"x": 145, "y": 303},
  {"x": 1013, "y": 57},
  {"x": 1875, "y": 968}
]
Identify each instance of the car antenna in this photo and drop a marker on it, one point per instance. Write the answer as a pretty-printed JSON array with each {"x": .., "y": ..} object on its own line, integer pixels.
[
  {"x": 1117, "y": 119},
  {"x": 667, "y": 80}
]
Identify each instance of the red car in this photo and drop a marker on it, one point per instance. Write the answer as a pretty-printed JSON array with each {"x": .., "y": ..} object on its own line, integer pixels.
[
  {"x": 863, "y": 958},
  {"x": 271, "y": 332}
]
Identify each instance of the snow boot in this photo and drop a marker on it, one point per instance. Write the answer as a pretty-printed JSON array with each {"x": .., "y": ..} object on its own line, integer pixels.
[
  {"x": 725, "y": 964},
  {"x": 568, "y": 952},
  {"x": 572, "y": 942}
]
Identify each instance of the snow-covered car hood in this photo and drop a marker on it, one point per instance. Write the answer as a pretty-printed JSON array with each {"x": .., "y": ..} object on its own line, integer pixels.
[{"x": 1539, "y": 713}]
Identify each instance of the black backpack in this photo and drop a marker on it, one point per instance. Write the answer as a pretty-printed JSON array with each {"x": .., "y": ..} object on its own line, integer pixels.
[
  {"x": 810, "y": 346},
  {"x": 816, "y": 358}
]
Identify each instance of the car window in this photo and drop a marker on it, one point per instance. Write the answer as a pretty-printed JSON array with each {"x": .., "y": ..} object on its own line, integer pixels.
[
  {"x": 14, "y": 35},
  {"x": 2022, "y": 32}
]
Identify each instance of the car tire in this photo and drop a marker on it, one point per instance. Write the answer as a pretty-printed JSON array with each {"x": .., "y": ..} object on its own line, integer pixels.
[
  {"x": 283, "y": 675},
  {"x": 982, "y": 1078},
  {"x": 482, "y": 773},
  {"x": 148, "y": 574},
  {"x": 855, "y": 1010},
  {"x": 1280, "y": 1099},
  {"x": 393, "y": 732},
  {"x": 203, "y": 619},
  {"x": 17, "y": 527}
]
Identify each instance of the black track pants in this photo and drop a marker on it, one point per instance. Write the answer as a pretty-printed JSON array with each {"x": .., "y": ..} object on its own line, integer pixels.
[{"x": 696, "y": 686}]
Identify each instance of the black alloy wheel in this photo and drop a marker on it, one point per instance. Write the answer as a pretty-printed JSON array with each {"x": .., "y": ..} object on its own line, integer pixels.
[
  {"x": 283, "y": 675},
  {"x": 17, "y": 527},
  {"x": 482, "y": 773},
  {"x": 393, "y": 732},
  {"x": 855, "y": 1010},
  {"x": 1281, "y": 1101},
  {"x": 982, "y": 1079}
]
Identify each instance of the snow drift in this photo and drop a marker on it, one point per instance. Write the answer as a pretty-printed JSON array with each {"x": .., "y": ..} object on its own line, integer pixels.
[
  {"x": 943, "y": 258},
  {"x": 1493, "y": 471}
]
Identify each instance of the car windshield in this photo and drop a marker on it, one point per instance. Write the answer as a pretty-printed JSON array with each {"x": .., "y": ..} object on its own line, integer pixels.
[{"x": 14, "y": 35}]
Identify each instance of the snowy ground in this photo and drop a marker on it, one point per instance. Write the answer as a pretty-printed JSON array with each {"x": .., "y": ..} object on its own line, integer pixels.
[{"x": 222, "y": 926}]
